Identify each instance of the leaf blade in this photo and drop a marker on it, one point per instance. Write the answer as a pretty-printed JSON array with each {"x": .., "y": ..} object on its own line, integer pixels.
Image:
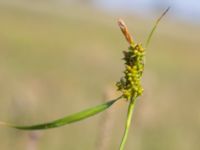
[
  {"x": 65, "y": 120},
  {"x": 149, "y": 37}
]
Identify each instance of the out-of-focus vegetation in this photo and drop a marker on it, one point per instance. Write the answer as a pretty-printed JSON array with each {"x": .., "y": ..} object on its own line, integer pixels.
[{"x": 58, "y": 59}]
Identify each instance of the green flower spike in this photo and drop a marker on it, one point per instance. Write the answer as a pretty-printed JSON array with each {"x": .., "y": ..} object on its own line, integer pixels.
[{"x": 130, "y": 83}]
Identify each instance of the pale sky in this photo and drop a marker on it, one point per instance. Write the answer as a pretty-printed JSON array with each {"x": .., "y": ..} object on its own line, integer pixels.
[{"x": 188, "y": 10}]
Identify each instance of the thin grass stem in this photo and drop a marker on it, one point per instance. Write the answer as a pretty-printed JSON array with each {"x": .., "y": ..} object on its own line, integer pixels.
[{"x": 128, "y": 123}]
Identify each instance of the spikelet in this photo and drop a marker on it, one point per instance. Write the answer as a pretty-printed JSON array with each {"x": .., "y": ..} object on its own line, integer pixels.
[{"x": 130, "y": 83}]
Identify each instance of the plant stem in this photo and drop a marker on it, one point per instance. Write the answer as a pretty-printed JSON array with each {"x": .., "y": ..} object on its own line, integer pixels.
[{"x": 128, "y": 123}]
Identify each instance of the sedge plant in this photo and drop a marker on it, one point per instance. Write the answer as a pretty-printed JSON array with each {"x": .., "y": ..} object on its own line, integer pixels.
[{"x": 129, "y": 85}]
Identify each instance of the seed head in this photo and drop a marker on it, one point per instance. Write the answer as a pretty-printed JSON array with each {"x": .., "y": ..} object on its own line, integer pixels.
[{"x": 130, "y": 83}]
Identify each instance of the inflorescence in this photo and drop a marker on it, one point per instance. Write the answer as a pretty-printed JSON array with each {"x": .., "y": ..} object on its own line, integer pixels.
[{"x": 130, "y": 83}]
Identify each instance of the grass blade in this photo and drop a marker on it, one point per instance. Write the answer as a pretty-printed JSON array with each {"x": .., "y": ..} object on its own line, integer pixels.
[
  {"x": 66, "y": 120},
  {"x": 155, "y": 26}
]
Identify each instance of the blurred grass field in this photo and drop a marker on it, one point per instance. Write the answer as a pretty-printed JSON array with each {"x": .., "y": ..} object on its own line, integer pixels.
[{"x": 56, "y": 60}]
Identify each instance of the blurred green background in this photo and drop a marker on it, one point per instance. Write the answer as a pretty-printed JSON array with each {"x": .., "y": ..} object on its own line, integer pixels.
[{"x": 56, "y": 59}]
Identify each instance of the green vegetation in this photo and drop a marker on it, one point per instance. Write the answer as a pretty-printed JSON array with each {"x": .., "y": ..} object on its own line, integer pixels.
[{"x": 41, "y": 55}]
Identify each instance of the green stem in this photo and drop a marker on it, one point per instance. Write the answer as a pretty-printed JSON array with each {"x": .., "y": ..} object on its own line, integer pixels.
[{"x": 128, "y": 123}]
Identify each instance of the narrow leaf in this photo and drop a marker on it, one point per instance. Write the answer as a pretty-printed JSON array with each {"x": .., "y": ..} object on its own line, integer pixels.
[
  {"x": 66, "y": 120},
  {"x": 155, "y": 26}
]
